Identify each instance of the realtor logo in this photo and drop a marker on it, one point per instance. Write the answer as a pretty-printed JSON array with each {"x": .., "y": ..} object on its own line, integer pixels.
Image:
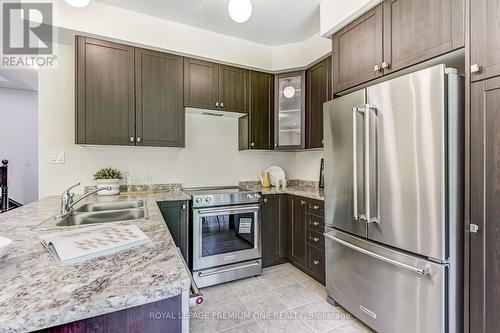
[{"x": 27, "y": 34}]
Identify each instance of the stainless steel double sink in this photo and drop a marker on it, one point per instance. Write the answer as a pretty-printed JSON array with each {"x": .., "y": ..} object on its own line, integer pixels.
[{"x": 104, "y": 212}]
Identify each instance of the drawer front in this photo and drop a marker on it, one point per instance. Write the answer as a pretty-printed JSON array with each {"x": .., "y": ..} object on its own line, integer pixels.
[
  {"x": 316, "y": 207},
  {"x": 315, "y": 238},
  {"x": 380, "y": 287},
  {"x": 316, "y": 262},
  {"x": 315, "y": 222}
]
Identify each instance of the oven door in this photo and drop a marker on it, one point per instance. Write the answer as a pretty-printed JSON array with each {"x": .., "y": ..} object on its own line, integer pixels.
[{"x": 225, "y": 235}]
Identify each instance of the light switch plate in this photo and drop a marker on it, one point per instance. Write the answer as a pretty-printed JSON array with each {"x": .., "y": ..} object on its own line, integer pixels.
[{"x": 56, "y": 157}]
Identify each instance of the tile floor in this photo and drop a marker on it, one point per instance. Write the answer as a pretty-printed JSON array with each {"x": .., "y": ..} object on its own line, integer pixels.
[{"x": 282, "y": 299}]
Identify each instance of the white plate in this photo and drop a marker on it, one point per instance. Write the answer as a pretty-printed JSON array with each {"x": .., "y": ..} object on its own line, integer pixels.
[
  {"x": 275, "y": 175},
  {"x": 5, "y": 244}
]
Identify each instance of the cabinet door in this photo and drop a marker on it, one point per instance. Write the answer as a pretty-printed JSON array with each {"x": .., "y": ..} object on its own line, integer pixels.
[
  {"x": 318, "y": 80},
  {"x": 175, "y": 214},
  {"x": 358, "y": 51},
  {"x": 484, "y": 283},
  {"x": 417, "y": 30},
  {"x": 271, "y": 222},
  {"x": 104, "y": 93},
  {"x": 485, "y": 38},
  {"x": 289, "y": 114},
  {"x": 201, "y": 81},
  {"x": 232, "y": 89},
  {"x": 159, "y": 99},
  {"x": 295, "y": 230},
  {"x": 260, "y": 107}
]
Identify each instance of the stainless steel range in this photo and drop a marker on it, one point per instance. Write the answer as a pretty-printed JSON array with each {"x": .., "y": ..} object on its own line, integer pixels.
[{"x": 226, "y": 234}]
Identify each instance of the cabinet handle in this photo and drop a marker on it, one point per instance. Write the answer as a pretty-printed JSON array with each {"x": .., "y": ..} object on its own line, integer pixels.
[
  {"x": 183, "y": 206},
  {"x": 316, "y": 262},
  {"x": 377, "y": 68},
  {"x": 302, "y": 202},
  {"x": 132, "y": 139},
  {"x": 314, "y": 207},
  {"x": 315, "y": 239},
  {"x": 265, "y": 199},
  {"x": 138, "y": 139},
  {"x": 221, "y": 104},
  {"x": 217, "y": 104},
  {"x": 385, "y": 64},
  {"x": 475, "y": 68}
]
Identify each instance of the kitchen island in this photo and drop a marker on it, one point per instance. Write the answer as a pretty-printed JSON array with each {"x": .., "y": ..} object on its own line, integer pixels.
[{"x": 36, "y": 293}]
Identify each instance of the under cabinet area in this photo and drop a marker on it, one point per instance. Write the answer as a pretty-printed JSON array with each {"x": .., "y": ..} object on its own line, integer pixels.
[
  {"x": 213, "y": 86},
  {"x": 127, "y": 96},
  {"x": 393, "y": 35}
]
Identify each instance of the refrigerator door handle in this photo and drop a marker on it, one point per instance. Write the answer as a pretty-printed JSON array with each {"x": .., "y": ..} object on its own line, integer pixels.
[
  {"x": 355, "y": 163},
  {"x": 420, "y": 271},
  {"x": 367, "y": 113}
]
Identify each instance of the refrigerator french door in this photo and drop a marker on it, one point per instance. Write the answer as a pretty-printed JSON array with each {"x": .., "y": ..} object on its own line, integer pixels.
[{"x": 393, "y": 188}]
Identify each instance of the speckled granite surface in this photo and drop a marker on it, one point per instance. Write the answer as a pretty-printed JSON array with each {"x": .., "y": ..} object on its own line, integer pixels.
[
  {"x": 36, "y": 292},
  {"x": 303, "y": 188}
]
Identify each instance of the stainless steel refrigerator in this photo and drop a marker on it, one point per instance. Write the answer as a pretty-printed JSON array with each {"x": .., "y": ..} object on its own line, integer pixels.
[{"x": 393, "y": 199}]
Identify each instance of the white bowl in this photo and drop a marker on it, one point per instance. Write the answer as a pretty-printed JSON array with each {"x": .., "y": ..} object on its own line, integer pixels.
[{"x": 5, "y": 245}]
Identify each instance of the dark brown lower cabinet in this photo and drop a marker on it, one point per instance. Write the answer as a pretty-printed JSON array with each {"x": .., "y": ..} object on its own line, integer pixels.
[
  {"x": 304, "y": 245},
  {"x": 484, "y": 245},
  {"x": 133, "y": 320},
  {"x": 271, "y": 230},
  {"x": 295, "y": 243},
  {"x": 176, "y": 216}
]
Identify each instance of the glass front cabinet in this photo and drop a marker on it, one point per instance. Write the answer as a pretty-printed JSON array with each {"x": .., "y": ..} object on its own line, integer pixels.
[{"x": 289, "y": 115}]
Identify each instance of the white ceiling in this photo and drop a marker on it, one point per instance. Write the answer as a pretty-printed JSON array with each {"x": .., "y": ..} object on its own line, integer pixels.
[
  {"x": 273, "y": 22},
  {"x": 24, "y": 79}
]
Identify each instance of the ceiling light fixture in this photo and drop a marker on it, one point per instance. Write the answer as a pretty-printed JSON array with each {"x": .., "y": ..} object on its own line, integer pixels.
[
  {"x": 240, "y": 10},
  {"x": 289, "y": 91},
  {"x": 78, "y": 3}
]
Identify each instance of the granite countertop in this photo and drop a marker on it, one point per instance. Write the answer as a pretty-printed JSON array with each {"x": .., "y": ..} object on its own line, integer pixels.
[
  {"x": 37, "y": 293},
  {"x": 306, "y": 189}
]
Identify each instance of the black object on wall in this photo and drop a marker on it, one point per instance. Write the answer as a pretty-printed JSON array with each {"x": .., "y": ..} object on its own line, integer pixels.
[{"x": 3, "y": 186}]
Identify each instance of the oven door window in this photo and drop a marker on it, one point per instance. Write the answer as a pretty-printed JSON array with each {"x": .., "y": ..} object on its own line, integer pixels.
[{"x": 227, "y": 233}]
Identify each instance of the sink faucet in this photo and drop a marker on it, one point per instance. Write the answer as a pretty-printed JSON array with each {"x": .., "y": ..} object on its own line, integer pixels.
[{"x": 67, "y": 202}]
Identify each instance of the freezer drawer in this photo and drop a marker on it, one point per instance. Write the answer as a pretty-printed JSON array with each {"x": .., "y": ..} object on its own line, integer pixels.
[{"x": 388, "y": 290}]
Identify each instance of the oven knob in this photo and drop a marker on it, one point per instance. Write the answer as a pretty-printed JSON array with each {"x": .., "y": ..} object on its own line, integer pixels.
[
  {"x": 250, "y": 196},
  {"x": 208, "y": 199},
  {"x": 199, "y": 200}
]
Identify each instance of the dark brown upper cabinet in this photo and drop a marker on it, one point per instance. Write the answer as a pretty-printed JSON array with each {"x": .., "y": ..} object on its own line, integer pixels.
[
  {"x": 394, "y": 35},
  {"x": 319, "y": 82},
  {"x": 484, "y": 39},
  {"x": 201, "y": 84},
  {"x": 289, "y": 112},
  {"x": 357, "y": 50},
  {"x": 256, "y": 129},
  {"x": 232, "y": 89},
  {"x": 208, "y": 85},
  {"x": 128, "y": 96},
  {"x": 104, "y": 93},
  {"x": 417, "y": 30},
  {"x": 159, "y": 99}
]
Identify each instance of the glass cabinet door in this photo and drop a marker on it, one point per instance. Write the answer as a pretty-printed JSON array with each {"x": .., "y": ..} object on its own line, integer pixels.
[{"x": 290, "y": 111}]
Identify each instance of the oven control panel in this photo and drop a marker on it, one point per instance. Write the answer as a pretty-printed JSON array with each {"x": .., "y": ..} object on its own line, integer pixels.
[{"x": 240, "y": 198}]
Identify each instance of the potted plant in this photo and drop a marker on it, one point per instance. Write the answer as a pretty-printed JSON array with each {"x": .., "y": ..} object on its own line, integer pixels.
[{"x": 108, "y": 177}]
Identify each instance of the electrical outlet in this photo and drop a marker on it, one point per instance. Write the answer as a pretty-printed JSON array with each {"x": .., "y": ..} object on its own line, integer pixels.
[{"x": 56, "y": 157}]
